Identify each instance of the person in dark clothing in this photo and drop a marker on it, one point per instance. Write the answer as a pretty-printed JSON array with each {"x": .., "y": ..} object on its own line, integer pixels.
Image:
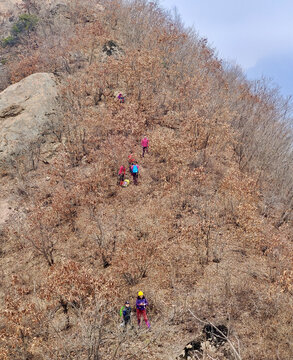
[{"x": 125, "y": 311}]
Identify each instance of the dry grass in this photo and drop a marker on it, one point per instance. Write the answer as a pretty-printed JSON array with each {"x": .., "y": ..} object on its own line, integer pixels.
[{"x": 193, "y": 234}]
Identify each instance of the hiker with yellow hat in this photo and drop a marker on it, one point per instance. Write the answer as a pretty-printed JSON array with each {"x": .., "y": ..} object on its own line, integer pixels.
[{"x": 141, "y": 304}]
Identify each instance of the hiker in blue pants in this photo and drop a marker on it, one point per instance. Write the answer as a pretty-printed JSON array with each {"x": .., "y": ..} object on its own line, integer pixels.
[
  {"x": 134, "y": 172},
  {"x": 125, "y": 311}
]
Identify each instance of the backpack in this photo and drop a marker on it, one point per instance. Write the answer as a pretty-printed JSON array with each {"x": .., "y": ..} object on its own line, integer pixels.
[
  {"x": 121, "y": 311},
  {"x": 134, "y": 169}
]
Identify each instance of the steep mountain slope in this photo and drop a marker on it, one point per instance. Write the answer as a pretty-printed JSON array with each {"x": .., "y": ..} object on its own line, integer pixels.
[{"x": 206, "y": 234}]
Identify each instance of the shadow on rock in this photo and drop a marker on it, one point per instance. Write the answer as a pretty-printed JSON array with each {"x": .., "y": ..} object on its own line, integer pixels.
[{"x": 216, "y": 336}]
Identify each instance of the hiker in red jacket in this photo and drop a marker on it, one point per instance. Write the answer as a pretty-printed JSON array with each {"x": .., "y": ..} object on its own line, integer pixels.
[
  {"x": 134, "y": 172},
  {"x": 121, "y": 174},
  {"x": 131, "y": 161},
  {"x": 145, "y": 145}
]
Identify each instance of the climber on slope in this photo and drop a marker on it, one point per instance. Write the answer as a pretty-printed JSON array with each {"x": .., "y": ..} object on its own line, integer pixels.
[
  {"x": 125, "y": 311},
  {"x": 121, "y": 98},
  {"x": 134, "y": 172},
  {"x": 121, "y": 174},
  {"x": 131, "y": 160},
  {"x": 141, "y": 304},
  {"x": 145, "y": 145}
]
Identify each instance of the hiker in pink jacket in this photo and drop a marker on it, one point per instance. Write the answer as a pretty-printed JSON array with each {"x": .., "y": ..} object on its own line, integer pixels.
[{"x": 145, "y": 145}]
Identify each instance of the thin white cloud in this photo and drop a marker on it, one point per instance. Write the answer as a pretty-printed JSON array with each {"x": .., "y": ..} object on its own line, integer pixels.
[
  {"x": 245, "y": 30},
  {"x": 249, "y": 32}
]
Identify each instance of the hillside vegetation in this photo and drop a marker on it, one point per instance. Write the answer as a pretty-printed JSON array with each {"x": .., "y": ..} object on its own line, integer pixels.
[{"x": 206, "y": 234}]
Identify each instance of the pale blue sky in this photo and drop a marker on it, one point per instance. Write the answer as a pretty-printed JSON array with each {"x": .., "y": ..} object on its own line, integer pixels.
[{"x": 256, "y": 34}]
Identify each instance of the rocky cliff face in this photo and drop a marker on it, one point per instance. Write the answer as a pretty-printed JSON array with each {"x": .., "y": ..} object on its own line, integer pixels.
[{"x": 26, "y": 110}]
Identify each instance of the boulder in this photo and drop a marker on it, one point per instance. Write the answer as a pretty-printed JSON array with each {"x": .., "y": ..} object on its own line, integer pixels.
[
  {"x": 213, "y": 342},
  {"x": 26, "y": 112}
]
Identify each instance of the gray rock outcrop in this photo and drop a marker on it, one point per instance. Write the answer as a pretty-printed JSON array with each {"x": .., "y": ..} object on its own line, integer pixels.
[{"x": 26, "y": 112}]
